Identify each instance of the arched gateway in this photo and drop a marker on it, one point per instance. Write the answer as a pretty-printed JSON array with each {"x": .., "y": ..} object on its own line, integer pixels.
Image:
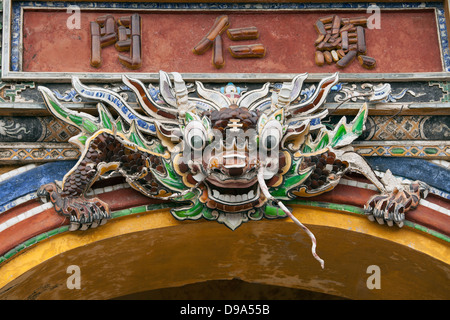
[{"x": 296, "y": 153}]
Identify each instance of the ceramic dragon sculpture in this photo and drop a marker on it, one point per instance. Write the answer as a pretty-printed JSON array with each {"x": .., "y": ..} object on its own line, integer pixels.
[{"x": 230, "y": 156}]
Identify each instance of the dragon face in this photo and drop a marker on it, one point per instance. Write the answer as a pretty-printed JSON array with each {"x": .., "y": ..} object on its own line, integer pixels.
[{"x": 225, "y": 148}]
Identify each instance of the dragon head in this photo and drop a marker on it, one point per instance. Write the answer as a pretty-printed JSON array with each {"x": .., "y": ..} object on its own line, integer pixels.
[{"x": 221, "y": 139}]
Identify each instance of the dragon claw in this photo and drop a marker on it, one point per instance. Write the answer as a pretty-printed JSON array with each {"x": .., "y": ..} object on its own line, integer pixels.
[
  {"x": 87, "y": 213},
  {"x": 83, "y": 213},
  {"x": 390, "y": 208}
]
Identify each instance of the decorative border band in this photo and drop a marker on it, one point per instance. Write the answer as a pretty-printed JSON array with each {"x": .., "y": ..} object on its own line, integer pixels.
[
  {"x": 12, "y": 46},
  {"x": 39, "y": 152}
]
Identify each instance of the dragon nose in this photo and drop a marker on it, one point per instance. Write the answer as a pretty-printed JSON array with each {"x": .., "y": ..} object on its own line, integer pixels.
[{"x": 234, "y": 164}]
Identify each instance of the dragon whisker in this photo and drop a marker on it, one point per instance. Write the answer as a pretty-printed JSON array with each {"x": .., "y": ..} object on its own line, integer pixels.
[{"x": 265, "y": 191}]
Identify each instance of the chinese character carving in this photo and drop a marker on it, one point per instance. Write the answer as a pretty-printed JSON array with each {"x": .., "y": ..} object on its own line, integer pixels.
[
  {"x": 125, "y": 34},
  {"x": 220, "y": 25},
  {"x": 214, "y": 39},
  {"x": 340, "y": 41}
]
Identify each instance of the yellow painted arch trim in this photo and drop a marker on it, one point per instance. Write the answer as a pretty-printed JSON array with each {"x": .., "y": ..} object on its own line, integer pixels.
[{"x": 160, "y": 219}]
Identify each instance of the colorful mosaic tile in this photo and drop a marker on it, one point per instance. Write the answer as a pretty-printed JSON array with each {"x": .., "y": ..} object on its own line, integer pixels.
[
  {"x": 33, "y": 153},
  {"x": 434, "y": 151},
  {"x": 35, "y": 129},
  {"x": 445, "y": 87},
  {"x": 11, "y": 91}
]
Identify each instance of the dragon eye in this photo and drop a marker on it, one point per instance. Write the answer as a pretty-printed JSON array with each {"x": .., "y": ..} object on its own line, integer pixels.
[
  {"x": 271, "y": 142},
  {"x": 196, "y": 138},
  {"x": 271, "y": 135},
  {"x": 197, "y": 141}
]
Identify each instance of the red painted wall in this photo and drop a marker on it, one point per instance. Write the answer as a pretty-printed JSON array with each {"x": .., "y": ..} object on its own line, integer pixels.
[{"x": 407, "y": 42}]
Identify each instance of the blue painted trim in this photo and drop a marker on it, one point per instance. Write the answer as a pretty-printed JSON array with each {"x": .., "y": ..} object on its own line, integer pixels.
[
  {"x": 9, "y": 205},
  {"x": 443, "y": 36},
  {"x": 414, "y": 169},
  {"x": 31, "y": 180},
  {"x": 16, "y": 22}
]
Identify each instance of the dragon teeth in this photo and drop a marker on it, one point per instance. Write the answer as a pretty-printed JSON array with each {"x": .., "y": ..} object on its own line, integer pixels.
[{"x": 240, "y": 198}]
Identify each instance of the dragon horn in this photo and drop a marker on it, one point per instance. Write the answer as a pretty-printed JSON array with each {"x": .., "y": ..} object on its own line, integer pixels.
[
  {"x": 289, "y": 91},
  {"x": 317, "y": 99},
  {"x": 181, "y": 94},
  {"x": 148, "y": 104}
]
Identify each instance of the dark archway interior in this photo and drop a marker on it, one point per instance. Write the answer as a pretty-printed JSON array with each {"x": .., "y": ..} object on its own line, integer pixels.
[{"x": 234, "y": 289}]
